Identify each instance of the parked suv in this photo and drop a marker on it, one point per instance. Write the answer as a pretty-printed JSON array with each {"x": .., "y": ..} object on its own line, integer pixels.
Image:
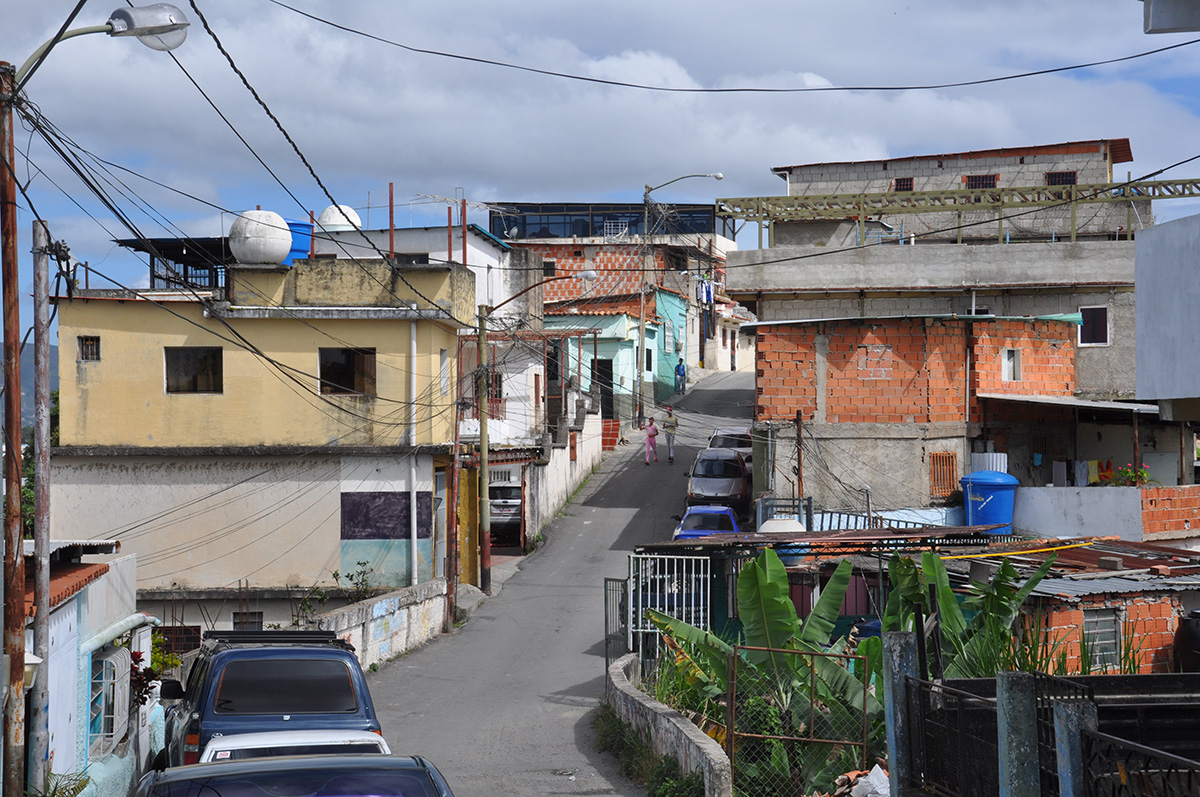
[
  {"x": 254, "y": 681},
  {"x": 504, "y": 508},
  {"x": 719, "y": 476},
  {"x": 738, "y": 438}
]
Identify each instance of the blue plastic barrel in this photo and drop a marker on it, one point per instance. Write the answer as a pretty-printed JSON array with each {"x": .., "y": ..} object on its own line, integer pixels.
[
  {"x": 301, "y": 240},
  {"x": 988, "y": 498}
]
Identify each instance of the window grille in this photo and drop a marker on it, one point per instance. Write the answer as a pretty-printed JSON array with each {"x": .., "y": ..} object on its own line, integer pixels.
[
  {"x": 903, "y": 184},
  {"x": 943, "y": 473},
  {"x": 109, "y": 705},
  {"x": 1102, "y": 632},
  {"x": 247, "y": 621},
  {"x": 1060, "y": 178},
  {"x": 980, "y": 181},
  {"x": 89, "y": 348}
]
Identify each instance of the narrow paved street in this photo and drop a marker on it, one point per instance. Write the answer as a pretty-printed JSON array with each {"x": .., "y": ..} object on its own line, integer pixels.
[{"x": 503, "y": 704}]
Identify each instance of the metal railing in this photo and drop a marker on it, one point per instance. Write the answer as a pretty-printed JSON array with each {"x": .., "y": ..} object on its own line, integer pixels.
[
  {"x": 954, "y": 745},
  {"x": 678, "y": 586},
  {"x": 616, "y": 619},
  {"x": 1047, "y": 690},
  {"x": 1120, "y": 768}
]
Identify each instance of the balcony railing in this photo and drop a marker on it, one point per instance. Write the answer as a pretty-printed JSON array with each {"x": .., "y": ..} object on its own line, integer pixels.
[{"x": 496, "y": 408}]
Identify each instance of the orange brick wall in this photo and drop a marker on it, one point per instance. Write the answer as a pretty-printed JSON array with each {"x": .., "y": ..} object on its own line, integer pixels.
[
  {"x": 618, "y": 267},
  {"x": 1170, "y": 508},
  {"x": 1150, "y": 619},
  {"x": 906, "y": 370}
]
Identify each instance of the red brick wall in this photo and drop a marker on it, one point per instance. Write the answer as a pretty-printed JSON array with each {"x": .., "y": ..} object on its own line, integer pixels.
[
  {"x": 906, "y": 370},
  {"x": 1148, "y": 619},
  {"x": 619, "y": 267},
  {"x": 1170, "y": 508}
]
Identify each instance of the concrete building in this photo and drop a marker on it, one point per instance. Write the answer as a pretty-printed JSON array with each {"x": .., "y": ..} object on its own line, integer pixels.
[
  {"x": 248, "y": 436},
  {"x": 679, "y": 260},
  {"x": 1016, "y": 232}
]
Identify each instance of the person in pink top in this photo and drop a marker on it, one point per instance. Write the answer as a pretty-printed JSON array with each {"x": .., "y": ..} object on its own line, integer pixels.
[{"x": 651, "y": 441}]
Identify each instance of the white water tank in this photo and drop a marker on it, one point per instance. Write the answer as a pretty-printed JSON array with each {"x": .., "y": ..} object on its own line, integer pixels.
[
  {"x": 260, "y": 237},
  {"x": 339, "y": 218}
]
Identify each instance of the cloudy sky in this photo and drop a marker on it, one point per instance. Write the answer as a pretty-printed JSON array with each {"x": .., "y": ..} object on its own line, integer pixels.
[{"x": 444, "y": 99}]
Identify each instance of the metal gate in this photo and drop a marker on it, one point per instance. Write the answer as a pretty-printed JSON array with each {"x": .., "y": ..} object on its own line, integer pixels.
[
  {"x": 616, "y": 622},
  {"x": 679, "y": 586}
]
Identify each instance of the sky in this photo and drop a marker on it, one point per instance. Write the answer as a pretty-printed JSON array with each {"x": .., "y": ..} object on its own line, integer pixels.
[{"x": 376, "y": 98}]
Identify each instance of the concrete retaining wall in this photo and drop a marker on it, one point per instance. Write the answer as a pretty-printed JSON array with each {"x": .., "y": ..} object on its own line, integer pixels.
[
  {"x": 669, "y": 732},
  {"x": 387, "y": 626}
]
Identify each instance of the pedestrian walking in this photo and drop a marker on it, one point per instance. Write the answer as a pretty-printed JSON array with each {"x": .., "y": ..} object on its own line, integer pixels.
[
  {"x": 651, "y": 442},
  {"x": 670, "y": 427},
  {"x": 681, "y": 377}
]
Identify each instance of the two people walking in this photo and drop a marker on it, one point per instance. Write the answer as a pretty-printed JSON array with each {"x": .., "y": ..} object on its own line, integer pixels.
[{"x": 670, "y": 427}]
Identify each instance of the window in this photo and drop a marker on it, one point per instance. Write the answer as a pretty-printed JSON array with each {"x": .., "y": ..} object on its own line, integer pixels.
[
  {"x": 89, "y": 348},
  {"x": 903, "y": 184},
  {"x": 976, "y": 182},
  {"x": 1102, "y": 632},
  {"x": 304, "y": 686},
  {"x": 444, "y": 370},
  {"x": 1010, "y": 365},
  {"x": 649, "y": 359},
  {"x": 548, "y": 268},
  {"x": 943, "y": 473},
  {"x": 108, "y": 708},
  {"x": 346, "y": 371},
  {"x": 194, "y": 369},
  {"x": 247, "y": 621},
  {"x": 553, "y": 362},
  {"x": 1060, "y": 178},
  {"x": 1094, "y": 329}
]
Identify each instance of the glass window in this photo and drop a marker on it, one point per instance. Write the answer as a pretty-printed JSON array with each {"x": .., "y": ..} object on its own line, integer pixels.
[
  {"x": 730, "y": 441},
  {"x": 294, "y": 686},
  {"x": 346, "y": 371},
  {"x": 108, "y": 711},
  {"x": 717, "y": 469},
  {"x": 1060, "y": 178},
  {"x": 1010, "y": 365},
  {"x": 1094, "y": 329},
  {"x": 194, "y": 369},
  {"x": 340, "y": 781},
  {"x": 1102, "y": 634},
  {"x": 708, "y": 521},
  {"x": 979, "y": 181}
]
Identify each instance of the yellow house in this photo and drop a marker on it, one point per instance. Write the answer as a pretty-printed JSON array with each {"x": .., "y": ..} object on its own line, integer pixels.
[{"x": 256, "y": 437}]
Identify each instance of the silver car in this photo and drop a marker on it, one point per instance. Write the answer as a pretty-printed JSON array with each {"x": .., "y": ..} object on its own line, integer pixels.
[{"x": 719, "y": 476}]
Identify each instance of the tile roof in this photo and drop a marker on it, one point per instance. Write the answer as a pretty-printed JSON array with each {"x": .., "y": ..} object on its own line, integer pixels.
[{"x": 66, "y": 581}]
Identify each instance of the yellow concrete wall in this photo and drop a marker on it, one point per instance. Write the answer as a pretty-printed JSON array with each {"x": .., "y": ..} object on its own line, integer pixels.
[{"x": 121, "y": 400}]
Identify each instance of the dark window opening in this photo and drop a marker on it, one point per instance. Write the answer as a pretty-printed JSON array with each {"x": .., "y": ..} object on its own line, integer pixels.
[
  {"x": 903, "y": 184},
  {"x": 980, "y": 181},
  {"x": 1094, "y": 329},
  {"x": 194, "y": 369},
  {"x": 548, "y": 268},
  {"x": 247, "y": 621},
  {"x": 1060, "y": 178},
  {"x": 89, "y": 348},
  {"x": 345, "y": 371},
  {"x": 649, "y": 359},
  {"x": 553, "y": 363}
]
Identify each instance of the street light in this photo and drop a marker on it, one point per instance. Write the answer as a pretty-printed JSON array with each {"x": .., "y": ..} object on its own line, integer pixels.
[
  {"x": 483, "y": 388},
  {"x": 161, "y": 27},
  {"x": 639, "y": 356}
]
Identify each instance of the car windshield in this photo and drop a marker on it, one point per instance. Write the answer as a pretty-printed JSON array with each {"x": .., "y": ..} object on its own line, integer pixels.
[
  {"x": 295, "y": 686},
  {"x": 331, "y": 782},
  {"x": 730, "y": 441},
  {"x": 505, "y": 493},
  {"x": 707, "y": 521},
  {"x": 717, "y": 469}
]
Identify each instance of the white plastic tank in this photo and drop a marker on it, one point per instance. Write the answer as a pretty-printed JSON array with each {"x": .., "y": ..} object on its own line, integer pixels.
[
  {"x": 338, "y": 218},
  {"x": 260, "y": 237}
]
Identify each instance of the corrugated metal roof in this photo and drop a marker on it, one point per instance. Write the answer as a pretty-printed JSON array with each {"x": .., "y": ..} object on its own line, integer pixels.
[
  {"x": 1074, "y": 588},
  {"x": 1071, "y": 401}
]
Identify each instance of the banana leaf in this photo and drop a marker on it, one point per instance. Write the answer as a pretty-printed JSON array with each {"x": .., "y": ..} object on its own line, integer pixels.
[
  {"x": 818, "y": 626},
  {"x": 767, "y": 612}
]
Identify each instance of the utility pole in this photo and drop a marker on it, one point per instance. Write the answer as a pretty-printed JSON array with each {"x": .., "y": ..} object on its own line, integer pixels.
[
  {"x": 38, "y": 719},
  {"x": 14, "y": 562},
  {"x": 640, "y": 355},
  {"x": 483, "y": 392}
]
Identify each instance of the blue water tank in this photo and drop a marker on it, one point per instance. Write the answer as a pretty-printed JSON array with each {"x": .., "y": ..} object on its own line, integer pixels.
[
  {"x": 988, "y": 498},
  {"x": 301, "y": 240}
]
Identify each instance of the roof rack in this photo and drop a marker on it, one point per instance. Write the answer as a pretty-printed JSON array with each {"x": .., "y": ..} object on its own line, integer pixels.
[{"x": 277, "y": 637}]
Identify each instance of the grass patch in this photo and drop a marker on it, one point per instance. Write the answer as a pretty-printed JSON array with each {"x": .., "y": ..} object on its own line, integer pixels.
[{"x": 659, "y": 774}]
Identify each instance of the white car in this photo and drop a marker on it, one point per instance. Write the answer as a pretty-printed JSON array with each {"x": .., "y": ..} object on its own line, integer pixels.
[{"x": 239, "y": 746}]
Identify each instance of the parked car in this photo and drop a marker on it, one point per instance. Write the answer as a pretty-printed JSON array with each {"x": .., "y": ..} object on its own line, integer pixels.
[
  {"x": 254, "y": 681},
  {"x": 701, "y": 521},
  {"x": 343, "y": 776},
  {"x": 738, "y": 438},
  {"x": 276, "y": 743},
  {"x": 504, "y": 507},
  {"x": 719, "y": 476}
]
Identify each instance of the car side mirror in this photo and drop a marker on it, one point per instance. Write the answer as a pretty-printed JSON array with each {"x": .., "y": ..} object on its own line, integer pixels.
[{"x": 170, "y": 690}]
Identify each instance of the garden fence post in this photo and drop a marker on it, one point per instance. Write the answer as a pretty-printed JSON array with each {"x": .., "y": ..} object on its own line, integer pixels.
[
  {"x": 1071, "y": 719},
  {"x": 899, "y": 664},
  {"x": 1016, "y": 732}
]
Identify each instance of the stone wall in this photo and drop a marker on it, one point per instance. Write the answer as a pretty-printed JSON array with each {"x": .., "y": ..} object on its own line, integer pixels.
[
  {"x": 387, "y": 626},
  {"x": 669, "y": 732}
]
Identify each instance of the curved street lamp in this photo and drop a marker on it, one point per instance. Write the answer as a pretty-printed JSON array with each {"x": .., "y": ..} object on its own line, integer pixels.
[
  {"x": 639, "y": 365},
  {"x": 482, "y": 396},
  {"x": 162, "y": 27}
]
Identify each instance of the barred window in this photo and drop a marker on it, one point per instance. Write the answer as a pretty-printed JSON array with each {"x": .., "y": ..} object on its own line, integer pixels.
[
  {"x": 903, "y": 184},
  {"x": 1102, "y": 635},
  {"x": 89, "y": 348},
  {"x": 979, "y": 181},
  {"x": 943, "y": 473},
  {"x": 1060, "y": 178}
]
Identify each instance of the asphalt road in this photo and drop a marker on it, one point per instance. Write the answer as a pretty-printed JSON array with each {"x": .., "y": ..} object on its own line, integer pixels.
[{"x": 502, "y": 705}]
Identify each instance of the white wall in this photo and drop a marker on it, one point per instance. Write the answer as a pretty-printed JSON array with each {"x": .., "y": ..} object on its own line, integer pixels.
[
  {"x": 549, "y": 486},
  {"x": 1079, "y": 512}
]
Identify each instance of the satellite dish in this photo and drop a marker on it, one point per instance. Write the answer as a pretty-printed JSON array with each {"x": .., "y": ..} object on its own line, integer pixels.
[{"x": 511, "y": 233}]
